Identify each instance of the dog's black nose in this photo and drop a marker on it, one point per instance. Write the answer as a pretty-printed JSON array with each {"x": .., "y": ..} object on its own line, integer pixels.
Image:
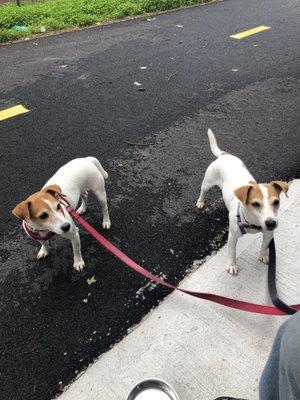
[
  {"x": 65, "y": 227},
  {"x": 270, "y": 224}
]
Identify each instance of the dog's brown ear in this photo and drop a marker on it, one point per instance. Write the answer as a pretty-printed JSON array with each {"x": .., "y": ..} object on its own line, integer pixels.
[
  {"x": 53, "y": 190},
  {"x": 22, "y": 210},
  {"x": 242, "y": 193},
  {"x": 280, "y": 186}
]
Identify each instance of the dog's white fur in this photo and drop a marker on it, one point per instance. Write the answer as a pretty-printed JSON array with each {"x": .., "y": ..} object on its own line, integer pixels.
[
  {"x": 74, "y": 180},
  {"x": 230, "y": 174}
]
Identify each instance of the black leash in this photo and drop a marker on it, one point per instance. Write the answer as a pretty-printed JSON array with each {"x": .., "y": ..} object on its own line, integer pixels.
[
  {"x": 272, "y": 282},
  {"x": 282, "y": 306},
  {"x": 273, "y": 294}
]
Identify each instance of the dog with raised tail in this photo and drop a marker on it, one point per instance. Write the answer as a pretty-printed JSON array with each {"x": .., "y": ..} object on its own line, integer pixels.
[
  {"x": 252, "y": 206},
  {"x": 45, "y": 214}
]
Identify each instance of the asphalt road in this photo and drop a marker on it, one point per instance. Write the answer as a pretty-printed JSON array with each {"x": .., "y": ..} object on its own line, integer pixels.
[{"x": 153, "y": 144}]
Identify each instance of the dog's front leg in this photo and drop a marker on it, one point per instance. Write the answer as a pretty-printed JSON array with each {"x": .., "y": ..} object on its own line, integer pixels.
[
  {"x": 75, "y": 240},
  {"x": 232, "y": 268},
  {"x": 44, "y": 250},
  {"x": 263, "y": 254}
]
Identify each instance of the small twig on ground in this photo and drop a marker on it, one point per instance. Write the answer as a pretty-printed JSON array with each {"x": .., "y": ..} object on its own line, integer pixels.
[
  {"x": 29, "y": 351},
  {"x": 171, "y": 76},
  {"x": 34, "y": 387},
  {"x": 140, "y": 144}
]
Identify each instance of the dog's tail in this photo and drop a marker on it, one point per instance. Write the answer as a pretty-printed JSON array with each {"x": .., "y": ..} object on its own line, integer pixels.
[
  {"x": 213, "y": 144},
  {"x": 99, "y": 167}
]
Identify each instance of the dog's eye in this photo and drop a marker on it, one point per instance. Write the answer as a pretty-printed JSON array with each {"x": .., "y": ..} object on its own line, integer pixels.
[
  {"x": 276, "y": 203},
  {"x": 58, "y": 206},
  {"x": 43, "y": 216},
  {"x": 255, "y": 204}
]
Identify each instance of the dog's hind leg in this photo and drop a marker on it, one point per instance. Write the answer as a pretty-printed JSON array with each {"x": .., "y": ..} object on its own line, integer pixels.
[
  {"x": 98, "y": 188},
  {"x": 83, "y": 205},
  {"x": 101, "y": 196},
  {"x": 207, "y": 183}
]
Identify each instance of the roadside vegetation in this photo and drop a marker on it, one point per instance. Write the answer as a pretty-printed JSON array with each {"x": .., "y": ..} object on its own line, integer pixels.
[{"x": 50, "y": 15}]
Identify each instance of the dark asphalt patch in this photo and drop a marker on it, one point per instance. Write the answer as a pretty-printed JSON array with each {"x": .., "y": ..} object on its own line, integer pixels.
[{"x": 47, "y": 332}]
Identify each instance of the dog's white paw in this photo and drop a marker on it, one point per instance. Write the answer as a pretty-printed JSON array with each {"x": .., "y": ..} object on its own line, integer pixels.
[
  {"x": 43, "y": 253},
  {"x": 232, "y": 269},
  {"x": 264, "y": 258},
  {"x": 106, "y": 224},
  {"x": 78, "y": 265},
  {"x": 81, "y": 210},
  {"x": 200, "y": 204}
]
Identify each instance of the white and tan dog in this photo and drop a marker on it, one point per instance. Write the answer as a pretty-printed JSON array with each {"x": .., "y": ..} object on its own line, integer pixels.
[
  {"x": 252, "y": 207},
  {"x": 43, "y": 215}
]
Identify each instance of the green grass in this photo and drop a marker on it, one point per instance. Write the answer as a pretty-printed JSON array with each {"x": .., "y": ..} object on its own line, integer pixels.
[{"x": 62, "y": 14}]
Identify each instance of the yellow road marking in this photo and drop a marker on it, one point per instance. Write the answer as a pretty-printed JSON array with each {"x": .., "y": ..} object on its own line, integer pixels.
[
  {"x": 250, "y": 32},
  {"x": 12, "y": 112}
]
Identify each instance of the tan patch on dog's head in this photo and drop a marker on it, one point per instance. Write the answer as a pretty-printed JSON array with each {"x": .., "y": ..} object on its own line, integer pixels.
[
  {"x": 272, "y": 192},
  {"x": 249, "y": 193},
  {"x": 22, "y": 210},
  {"x": 255, "y": 194},
  {"x": 54, "y": 190},
  {"x": 274, "y": 189},
  {"x": 35, "y": 206},
  {"x": 280, "y": 186}
]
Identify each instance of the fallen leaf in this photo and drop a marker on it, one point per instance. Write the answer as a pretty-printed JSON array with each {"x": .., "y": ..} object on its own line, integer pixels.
[
  {"x": 91, "y": 280},
  {"x": 137, "y": 83},
  {"x": 179, "y": 26}
]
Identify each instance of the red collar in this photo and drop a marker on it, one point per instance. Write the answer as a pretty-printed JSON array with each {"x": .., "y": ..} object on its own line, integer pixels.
[{"x": 35, "y": 235}]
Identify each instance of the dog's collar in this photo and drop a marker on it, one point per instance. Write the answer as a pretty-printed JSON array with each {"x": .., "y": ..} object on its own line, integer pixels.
[
  {"x": 36, "y": 234},
  {"x": 246, "y": 225}
]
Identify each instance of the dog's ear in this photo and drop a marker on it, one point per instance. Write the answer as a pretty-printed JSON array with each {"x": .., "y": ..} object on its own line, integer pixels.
[
  {"x": 22, "y": 210},
  {"x": 242, "y": 193},
  {"x": 280, "y": 186},
  {"x": 54, "y": 190}
]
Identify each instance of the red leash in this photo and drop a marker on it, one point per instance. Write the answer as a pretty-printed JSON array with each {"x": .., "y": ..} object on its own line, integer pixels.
[{"x": 225, "y": 301}]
